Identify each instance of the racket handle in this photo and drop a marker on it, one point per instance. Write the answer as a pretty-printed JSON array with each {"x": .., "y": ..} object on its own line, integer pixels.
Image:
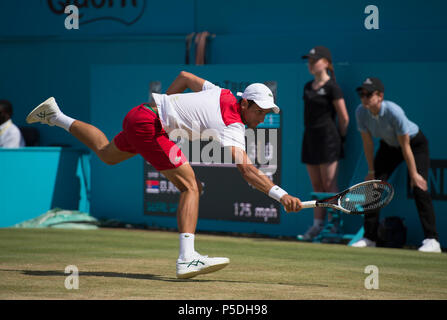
[{"x": 309, "y": 204}]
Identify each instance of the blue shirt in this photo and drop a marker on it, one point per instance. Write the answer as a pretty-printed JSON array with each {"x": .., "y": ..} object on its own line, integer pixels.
[{"x": 390, "y": 123}]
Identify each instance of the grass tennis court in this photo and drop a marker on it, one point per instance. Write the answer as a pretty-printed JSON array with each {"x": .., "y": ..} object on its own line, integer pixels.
[{"x": 137, "y": 264}]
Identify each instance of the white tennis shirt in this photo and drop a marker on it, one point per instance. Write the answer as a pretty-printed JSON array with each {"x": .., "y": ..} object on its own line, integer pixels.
[{"x": 211, "y": 112}]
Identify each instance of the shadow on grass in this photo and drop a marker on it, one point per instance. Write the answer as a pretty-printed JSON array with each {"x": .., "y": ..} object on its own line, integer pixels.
[{"x": 106, "y": 274}]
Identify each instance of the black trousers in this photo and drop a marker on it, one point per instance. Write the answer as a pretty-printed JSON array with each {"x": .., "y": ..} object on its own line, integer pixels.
[{"x": 385, "y": 162}]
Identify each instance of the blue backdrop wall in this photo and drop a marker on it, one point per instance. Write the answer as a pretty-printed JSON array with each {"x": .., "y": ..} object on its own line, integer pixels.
[{"x": 39, "y": 58}]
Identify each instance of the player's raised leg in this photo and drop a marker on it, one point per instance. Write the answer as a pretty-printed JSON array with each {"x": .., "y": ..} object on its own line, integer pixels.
[
  {"x": 49, "y": 113},
  {"x": 95, "y": 139},
  {"x": 190, "y": 263}
]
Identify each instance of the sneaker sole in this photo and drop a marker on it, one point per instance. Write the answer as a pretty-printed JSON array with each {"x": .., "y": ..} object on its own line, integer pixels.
[
  {"x": 431, "y": 251},
  {"x": 36, "y": 110},
  {"x": 209, "y": 269}
]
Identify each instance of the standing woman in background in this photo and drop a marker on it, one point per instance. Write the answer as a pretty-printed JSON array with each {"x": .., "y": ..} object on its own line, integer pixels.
[{"x": 323, "y": 140}]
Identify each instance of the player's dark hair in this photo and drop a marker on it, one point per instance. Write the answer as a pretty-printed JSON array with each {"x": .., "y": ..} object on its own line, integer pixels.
[{"x": 7, "y": 106}]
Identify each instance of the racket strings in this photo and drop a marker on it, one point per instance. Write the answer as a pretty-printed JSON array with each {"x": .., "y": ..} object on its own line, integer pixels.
[{"x": 367, "y": 197}]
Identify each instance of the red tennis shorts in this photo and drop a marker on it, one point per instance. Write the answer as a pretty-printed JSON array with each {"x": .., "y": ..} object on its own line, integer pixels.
[{"x": 143, "y": 134}]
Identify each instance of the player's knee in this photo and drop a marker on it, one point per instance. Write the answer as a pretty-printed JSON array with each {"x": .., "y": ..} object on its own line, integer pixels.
[
  {"x": 109, "y": 155},
  {"x": 104, "y": 157},
  {"x": 194, "y": 187},
  {"x": 191, "y": 187}
]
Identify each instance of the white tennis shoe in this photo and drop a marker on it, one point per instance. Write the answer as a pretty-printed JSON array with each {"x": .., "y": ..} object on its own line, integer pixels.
[
  {"x": 363, "y": 243},
  {"x": 44, "y": 112},
  {"x": 430, "y": 245},
  {"x": 199, "y": 264}
]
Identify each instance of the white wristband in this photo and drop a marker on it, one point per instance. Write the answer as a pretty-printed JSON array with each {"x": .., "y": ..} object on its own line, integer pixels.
[{"x": 276, "y": 193}]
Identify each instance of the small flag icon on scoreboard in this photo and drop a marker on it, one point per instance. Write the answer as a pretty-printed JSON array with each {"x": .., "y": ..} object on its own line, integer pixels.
[{"x": 152, "y": 186}]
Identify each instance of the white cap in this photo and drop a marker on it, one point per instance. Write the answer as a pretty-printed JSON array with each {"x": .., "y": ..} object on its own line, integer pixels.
[{"x": 261, "y": 95}]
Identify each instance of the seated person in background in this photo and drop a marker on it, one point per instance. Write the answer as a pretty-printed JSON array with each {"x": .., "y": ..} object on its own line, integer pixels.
[
  {"x": 401, "y": 140},
  {"x": 10, "y": 135}
]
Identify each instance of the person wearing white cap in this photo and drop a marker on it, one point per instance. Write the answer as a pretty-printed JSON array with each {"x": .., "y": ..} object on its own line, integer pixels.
[
  {"x": 146, "y": 130},
  {"x": 261, "y": 95}
]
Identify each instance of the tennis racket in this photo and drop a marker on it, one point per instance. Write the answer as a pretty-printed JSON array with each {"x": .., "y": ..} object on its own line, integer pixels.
[{"x": 361, "y": 198}]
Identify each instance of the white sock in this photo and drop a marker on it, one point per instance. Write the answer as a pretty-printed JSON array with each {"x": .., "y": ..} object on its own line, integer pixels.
[
  {"x": 318, "y": 223},
  {"x": 63, "y": 121},
  {"x": 186, "y": 245}
]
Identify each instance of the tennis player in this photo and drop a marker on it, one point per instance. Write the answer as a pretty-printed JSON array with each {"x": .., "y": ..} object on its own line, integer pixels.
[
  {"x": 145, "y": 132},
  {"x": 401, "y": 140}
]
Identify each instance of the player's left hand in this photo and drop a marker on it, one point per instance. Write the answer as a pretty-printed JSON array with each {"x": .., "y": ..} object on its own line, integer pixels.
[
  {"x": 419, "y": 181},
  {"x": 290, "y": 203}
]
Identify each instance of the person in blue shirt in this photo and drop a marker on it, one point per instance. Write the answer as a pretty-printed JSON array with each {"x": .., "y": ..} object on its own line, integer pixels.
[{"x": 400, "y": 140}]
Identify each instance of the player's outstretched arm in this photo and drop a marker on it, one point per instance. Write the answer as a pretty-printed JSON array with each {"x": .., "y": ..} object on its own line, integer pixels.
[
  {"x": 260, "y": 181},
  {"x": 186, "y": 80}
]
